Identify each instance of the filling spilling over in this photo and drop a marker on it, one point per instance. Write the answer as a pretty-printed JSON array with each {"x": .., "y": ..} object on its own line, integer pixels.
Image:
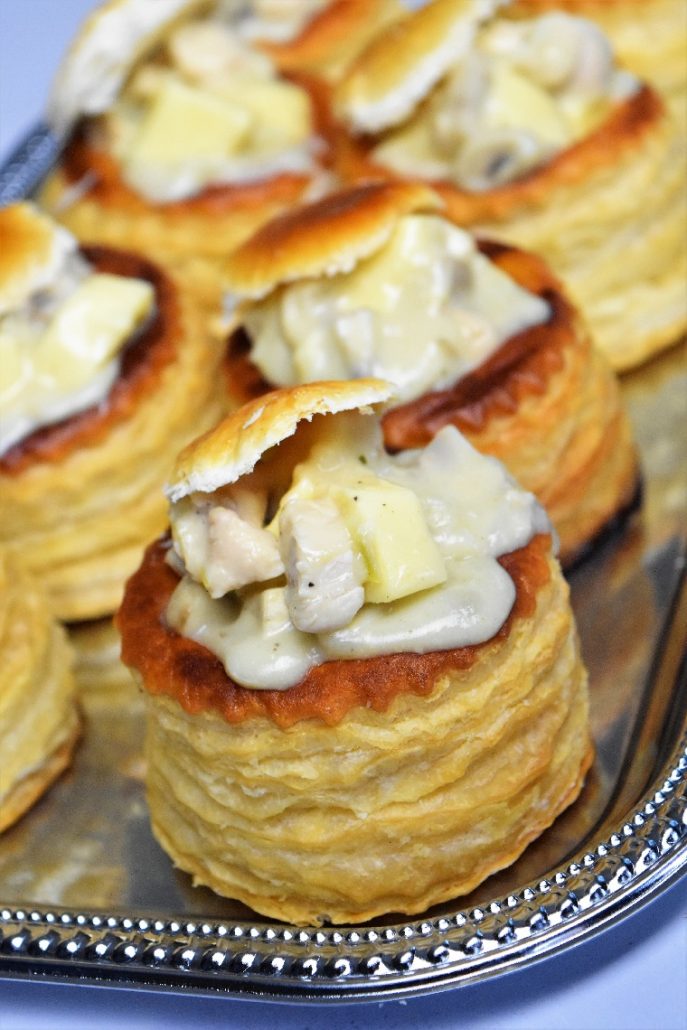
[
  {"x": 360, "y": 554},
  {"x": 421, "y": 312},
  {"x": 61, "y": 340},
  {"x": 526, "y": 91},
  {"x": 208, "y": 110}
]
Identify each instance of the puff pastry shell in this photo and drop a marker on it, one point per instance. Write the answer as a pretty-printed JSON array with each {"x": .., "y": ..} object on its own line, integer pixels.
[
  {"x": 334, "y": 36},
  {"x": 372, "y": 785},
  {"x": 39, "y": 721},
  {"x": 319, "y": 808},
  {"x": 81, "y": 499}
]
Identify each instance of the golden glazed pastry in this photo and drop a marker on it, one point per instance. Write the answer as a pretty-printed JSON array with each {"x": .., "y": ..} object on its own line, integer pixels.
[
  {"x": 371, "y": 696},
  {"x": 183, "y": 137},
  {"x": 39, "y": 721},
  {"x": 648, "y": 36},
  {"x": 108, "y": 372},
  {"x": 532, "y": 134},
  {"x": 319, "y": 36},
  {"x": 376, "y": 280}
]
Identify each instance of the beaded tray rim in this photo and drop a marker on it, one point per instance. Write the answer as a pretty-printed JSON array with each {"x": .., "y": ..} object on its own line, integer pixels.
[{"x": 604, "y": 884}]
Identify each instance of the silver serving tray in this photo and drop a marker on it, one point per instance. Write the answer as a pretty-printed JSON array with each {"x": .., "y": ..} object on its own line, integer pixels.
[{"x": 86, "y": 893}]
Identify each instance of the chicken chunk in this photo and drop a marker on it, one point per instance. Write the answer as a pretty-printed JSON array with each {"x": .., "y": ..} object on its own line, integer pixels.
[
  {"x": 324, "y": 575},
  {"x": 222, "y": 549}
]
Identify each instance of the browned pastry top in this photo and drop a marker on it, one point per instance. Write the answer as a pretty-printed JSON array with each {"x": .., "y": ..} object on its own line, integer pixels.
[
  {"x": 26, "y": 241},
  {"x": 323, "y": 237},
  {"x": 143, "y": 362},
  {"x": 180, "y": 668},
  {"x": 522, "y": 365}
]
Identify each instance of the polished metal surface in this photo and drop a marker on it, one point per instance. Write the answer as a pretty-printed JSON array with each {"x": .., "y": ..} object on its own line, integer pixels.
[{"x": 86, "y": 892}]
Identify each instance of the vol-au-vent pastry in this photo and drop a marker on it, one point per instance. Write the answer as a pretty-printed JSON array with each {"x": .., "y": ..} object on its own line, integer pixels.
[
  {"x": 648, "y": 36},
  {"x": 183, "y": 136},
  {"x": 361, "y": 670},
  {"x": 378, "y": 281},
  {"x": 39, "y": 720},
  {"x": 533, "y": 133},
  {"x": 106, "y": 371}
]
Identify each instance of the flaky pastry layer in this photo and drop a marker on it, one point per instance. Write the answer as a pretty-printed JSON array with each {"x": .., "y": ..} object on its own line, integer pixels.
[
  {"x": 395, "y": 806},
  {"x": 82, "y": 498},
  {"x": 98, "y": 668},
  {"x": 607, "y": 215},
  {"x": 39, "y": 721}
]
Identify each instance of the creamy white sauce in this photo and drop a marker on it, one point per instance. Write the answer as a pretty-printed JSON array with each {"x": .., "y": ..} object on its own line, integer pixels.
[
  {"x": 528, "y": 90},
  {"x": 471, "y": 509},
  {"x": 209, "y": 111},
  {"x": 59, "y": 347},
  {"x": 421, "y": 312},
  {"x": 41, "y": 405}
]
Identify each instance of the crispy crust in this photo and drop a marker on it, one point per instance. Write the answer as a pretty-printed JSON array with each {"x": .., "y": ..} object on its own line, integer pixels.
[
  {"x": 580, "y": 210},
  {"x": 166, "y": 663},
  {"x": 103, "y": 472},
  {"x": 39, "y": 720},
  {"x": 323, "y": 238},
  {"x": 545, "y": 404},
  {"x": 234, "y": 446},
  {"x": 401, "y": 65},
  {"x": 28, "y": 790},
  {"x": 98, "y": 669},
  {"x": 334, "y": 36},
  {"x": 400, "y": 803}
]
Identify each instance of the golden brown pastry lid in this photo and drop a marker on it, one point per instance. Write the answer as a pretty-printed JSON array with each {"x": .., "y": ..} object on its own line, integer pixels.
[
  {"x": 31, "y": 246},
  {"x": 333, "y": 36},
  {"x": 326, "y": 237},
  {"x": 402, "y": 64},
  {"x": 234, "y": 447}
]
